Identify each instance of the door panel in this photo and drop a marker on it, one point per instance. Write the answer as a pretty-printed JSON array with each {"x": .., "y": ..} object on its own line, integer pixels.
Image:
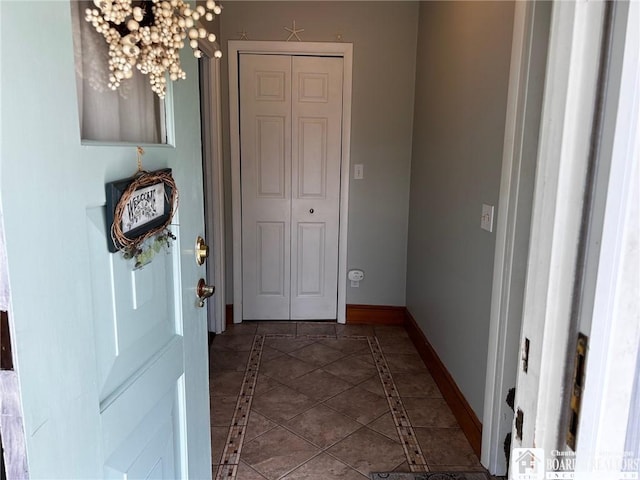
[
  {"x": 140, "y": 357},
  {"x": 270, "y": 157},
  {"x": 312, "y": 164},
  {"x": 312, "y": 86},
  {"x": 270, "y": 258},
  {"x": 265, "y": 116},
  {"x": 316, "y": 158},
  {"x": 139, "y": 353},
  {"x": 133, "y": 310},
  {"x": 311, "y": 259},
  {"x": 151, "y": 448},
  {"x": 132, "y": 420}
]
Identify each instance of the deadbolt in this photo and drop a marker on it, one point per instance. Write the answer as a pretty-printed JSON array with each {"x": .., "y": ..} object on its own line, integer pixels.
[
  {"x": 202, "y": 250},
  {"x": 204, "y": 291}
]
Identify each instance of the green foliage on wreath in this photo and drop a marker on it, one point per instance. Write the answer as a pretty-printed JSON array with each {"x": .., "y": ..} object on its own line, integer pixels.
[{"x": 144, "y": 253}]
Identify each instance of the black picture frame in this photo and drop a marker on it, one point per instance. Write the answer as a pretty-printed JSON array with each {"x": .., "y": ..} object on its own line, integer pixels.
[{"x": 115, "y": 190}]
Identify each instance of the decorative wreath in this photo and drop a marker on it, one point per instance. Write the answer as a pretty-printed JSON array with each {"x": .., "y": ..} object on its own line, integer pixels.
[
  {"x": 149, "y": 35},
  {"x": 135, "y": 247}
]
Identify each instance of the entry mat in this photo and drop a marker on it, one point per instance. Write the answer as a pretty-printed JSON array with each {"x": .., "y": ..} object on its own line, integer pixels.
[{"x": 431, "y": 476}]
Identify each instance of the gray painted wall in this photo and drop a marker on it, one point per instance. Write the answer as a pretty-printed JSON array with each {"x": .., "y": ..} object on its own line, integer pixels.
[
  {"x": 384, "y": 42},
  {"x": 462, "y": 75}
]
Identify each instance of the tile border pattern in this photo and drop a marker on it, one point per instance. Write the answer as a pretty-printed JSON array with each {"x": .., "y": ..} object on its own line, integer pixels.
[
  {"x": 412, "y": 450},
  {"x": 230, "y": 460}
]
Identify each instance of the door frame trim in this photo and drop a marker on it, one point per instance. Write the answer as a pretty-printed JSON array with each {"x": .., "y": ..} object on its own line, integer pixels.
[
  {"x": 344, "y": 50},
  {"x": 214, "y": 184},
  {"x": 565, "y": 137},
  {"x": 503, "y": 322}
]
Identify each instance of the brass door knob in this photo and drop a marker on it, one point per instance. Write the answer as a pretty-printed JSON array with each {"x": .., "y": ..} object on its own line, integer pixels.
[
  {"x": 204, "y": 291},
  {"x": 202, "y": 250}
]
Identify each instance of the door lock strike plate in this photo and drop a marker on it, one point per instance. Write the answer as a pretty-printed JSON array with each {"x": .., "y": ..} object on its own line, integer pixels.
[
  {"x": 577, "y": 388},
  {"x": 519, "y": 422},
  {"x": 525, "y": 355}
]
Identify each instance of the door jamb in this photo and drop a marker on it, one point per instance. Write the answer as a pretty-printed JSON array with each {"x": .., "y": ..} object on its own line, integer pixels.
[
  {"x": 344, "y": 50},
  {"x": 563, "y": 156},
  {"x": 607, "y": 416},
  {"x": 213, "y": 183},
  {"x": 496, "y": 410}
]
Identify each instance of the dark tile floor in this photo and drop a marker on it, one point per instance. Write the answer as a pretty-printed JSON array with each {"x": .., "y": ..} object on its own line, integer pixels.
[{"x": 315, "y": 407}]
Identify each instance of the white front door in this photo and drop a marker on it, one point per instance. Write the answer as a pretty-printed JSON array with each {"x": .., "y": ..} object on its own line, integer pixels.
[
  {"x": 290, "y": 130},
  {"x": 112, "y": 360}
]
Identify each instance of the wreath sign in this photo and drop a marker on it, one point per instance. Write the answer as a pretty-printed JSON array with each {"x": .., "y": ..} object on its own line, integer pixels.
[{"x": 123, "y": 236}]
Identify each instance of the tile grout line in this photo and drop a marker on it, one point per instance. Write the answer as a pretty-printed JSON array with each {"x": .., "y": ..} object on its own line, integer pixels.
[{"x": 412, "y": 450}]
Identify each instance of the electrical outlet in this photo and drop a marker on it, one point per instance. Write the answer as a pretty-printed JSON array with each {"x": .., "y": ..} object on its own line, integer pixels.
[
  {"x": 358, "y": 171},
  {"x": 355, "y": 276}
]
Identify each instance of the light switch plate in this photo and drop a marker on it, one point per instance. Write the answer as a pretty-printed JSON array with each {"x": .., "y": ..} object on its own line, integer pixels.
[
  {"x": 486, "y": 221},
  {"x": 358, "y": 171}
]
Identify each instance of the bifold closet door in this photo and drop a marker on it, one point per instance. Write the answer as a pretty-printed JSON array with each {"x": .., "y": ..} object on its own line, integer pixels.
[
  {"x": 315, "y": 169},
  {"x": 290, "y": 140},
  {"x": 265, "y": 166}
]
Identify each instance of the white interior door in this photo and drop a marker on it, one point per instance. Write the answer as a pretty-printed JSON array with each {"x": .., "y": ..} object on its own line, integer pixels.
[
  {"x": 315, "y": 169},
  {"x": 265, "y": 132},
  {"x": 290, "y": 131}
]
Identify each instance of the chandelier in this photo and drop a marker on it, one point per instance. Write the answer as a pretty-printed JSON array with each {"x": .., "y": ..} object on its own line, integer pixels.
[{"x": 148, "y": 35}]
